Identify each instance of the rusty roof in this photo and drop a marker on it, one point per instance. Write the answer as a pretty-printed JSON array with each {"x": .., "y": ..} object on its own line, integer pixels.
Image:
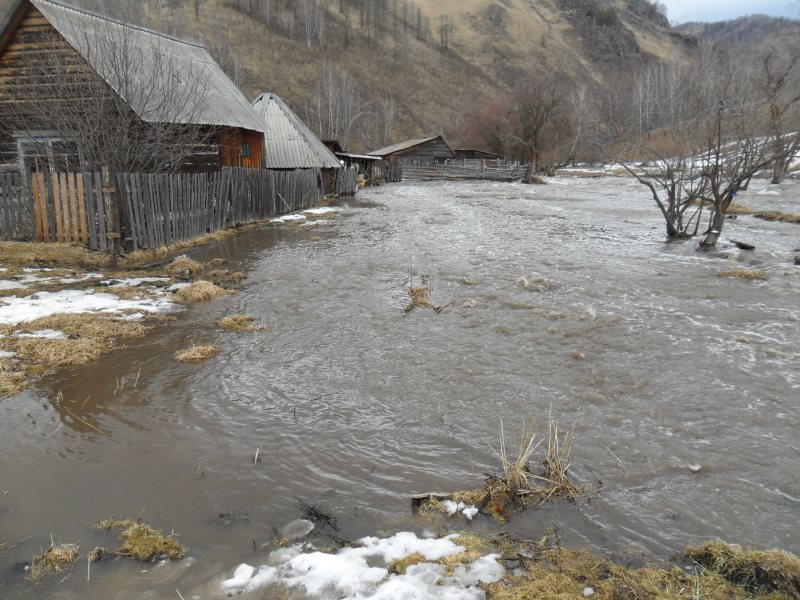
[
  {"x": 290, "y": 144},
  {"x": 163, "y": 79}
]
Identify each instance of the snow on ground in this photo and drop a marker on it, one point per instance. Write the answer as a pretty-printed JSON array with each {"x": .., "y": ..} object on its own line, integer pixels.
[
  {"x": 135, "y": 282},
  {"x": 6, "y": 284},
  {"x": 43, "y": 304},
  {"x": 303, "y": 216},
  {"x": 47, "y": 334},
  {"x": 362, "y": 572}
]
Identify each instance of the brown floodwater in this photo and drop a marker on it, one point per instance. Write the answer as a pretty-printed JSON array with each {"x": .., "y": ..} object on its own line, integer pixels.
[{"x": 353, "y": 405}]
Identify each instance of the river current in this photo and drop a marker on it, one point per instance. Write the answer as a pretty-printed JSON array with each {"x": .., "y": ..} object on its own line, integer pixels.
[{"x": 683, "y": 386}]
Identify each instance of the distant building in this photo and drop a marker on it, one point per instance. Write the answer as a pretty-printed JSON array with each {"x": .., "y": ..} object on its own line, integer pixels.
[
  {"x": 59, "y": 63},
  {"x": 470, "y": 154},
  {"x": 369, "y": 167},
  {"x": 421, "y": 151},
  {"x": 290, "y": 144}
]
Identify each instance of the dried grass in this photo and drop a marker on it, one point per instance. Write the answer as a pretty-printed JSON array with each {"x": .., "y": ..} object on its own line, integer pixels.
[
  {"x": 59, "y": 352},
  {"x": 55, "y": 559},
  {"x": 399, "y": 566},
  {"x": 88, "y": 325},
  {"x": 737, "y": 209},
  {"x": 143, "y": 542},
  {"x": 139, "y": 257},
  {"x": 420, "y": 296},
  {"x": 197, "y": 353},
  {"x": 199, "y": 291},
  {"x": 518, "y": 487},
  {"x": 184, "y": 267},
  {"x": 127, "y": 292},
  {"x": 240, "y": 324},
  {"x": 774, "y": 215},
  {"x": 29, "y": 254},
  {"x": 759, "y": 573},
  {"x": 744, "y": 274},
  {"x": 12, "y": 382}
]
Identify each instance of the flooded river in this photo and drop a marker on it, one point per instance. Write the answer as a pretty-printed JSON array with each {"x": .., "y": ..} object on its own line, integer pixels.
[{"x": 662, "y": 366}]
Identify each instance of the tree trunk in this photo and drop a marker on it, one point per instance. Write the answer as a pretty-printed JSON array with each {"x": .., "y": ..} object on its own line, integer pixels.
[
  {"x": 778, "y": 170},
  {"x": 717, "y": 223}
]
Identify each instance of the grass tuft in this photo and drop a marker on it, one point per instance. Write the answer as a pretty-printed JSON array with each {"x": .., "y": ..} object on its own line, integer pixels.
[
  {"x": 759, "y": 573},
  {"x": 142, "y": 542},
  {"x": 57, "y": 558},
  {"x": 400, "y": 566},
  {"x": 420, "y": 296},
  {"x": 744, "y": 274},
  {"x": 197, "y": 353},
  {"x": 199, "y": 291},
  {"x": 240, "y": 324},
  {"x": 184, "y": 267}
]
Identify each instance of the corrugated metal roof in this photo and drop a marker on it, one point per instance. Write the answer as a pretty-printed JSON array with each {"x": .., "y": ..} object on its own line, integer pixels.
[
  {"x": 402, "y": 146},
  {"x": 362, "y": 156},
  {"x": 163, "y": 79},
  {"x": 290, "y": 144}
]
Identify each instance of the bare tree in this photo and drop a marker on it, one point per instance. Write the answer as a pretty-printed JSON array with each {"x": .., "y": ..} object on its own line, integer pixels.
[
  {"x": 781, "y": 89},
  {"x": 708, "y": 137},
  {"x": 129, "y": 102},
  {"x": 536, "y": 105}
]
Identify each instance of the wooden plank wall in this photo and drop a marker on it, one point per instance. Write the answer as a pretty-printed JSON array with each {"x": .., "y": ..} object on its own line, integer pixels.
[
  {"x": 464, "y": 170},
  {"x": 346, "y": 182},
  {"x": 16, "y": 214}
]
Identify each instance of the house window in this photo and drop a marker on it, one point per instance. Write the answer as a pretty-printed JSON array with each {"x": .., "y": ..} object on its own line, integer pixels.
[
  {"x": 244, "y": 150},
  {"x": 42, "y": 154}
]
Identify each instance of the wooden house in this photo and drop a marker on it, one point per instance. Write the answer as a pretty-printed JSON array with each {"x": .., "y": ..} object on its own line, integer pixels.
[
  {"x": 290, "y": 144},
  {"x": 424, "y": 151},
  {"x": 71, "y": 80},
  {"x": 471, "y": 154}
]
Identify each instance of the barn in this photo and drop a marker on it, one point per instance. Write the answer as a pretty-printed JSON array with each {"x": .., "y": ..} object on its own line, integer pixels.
[
  {"x": 79, "y": 90},
  {"x": 423, "y": 151},
  {"x": 291, "y": 144}
]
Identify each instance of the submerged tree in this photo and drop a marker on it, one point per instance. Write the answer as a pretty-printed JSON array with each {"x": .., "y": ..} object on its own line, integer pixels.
[{"x": 707, "y": 136}]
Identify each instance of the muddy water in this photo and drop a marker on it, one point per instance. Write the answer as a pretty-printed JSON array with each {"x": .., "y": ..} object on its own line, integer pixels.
[{"x": 354, "y": 405}]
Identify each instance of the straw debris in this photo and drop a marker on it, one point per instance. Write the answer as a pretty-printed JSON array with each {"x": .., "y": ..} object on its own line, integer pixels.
[
  {"x": 199, "y": 291},
  {"x": 420, "y": 296},
  {"x": 744, "y": 274},
  {"x": 197, "y": 353},
  {"x": 240, "y": 324},
  {"x": 55, "y": 559},
  {"x": 142, "y": 542}
]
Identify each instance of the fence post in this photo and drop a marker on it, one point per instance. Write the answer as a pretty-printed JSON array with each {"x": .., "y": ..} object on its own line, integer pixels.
[{"x": 111, "y": 201}]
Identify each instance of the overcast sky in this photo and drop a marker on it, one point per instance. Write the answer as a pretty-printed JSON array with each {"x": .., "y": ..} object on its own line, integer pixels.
[{"x": 680, "y": 11}]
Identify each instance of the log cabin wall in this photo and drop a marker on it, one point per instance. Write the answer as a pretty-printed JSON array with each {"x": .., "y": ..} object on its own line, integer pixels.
[
  {"x": 435, "y": 150},
  {"x": 37, "y": 67},
  {"x": 241, "y": 148}
]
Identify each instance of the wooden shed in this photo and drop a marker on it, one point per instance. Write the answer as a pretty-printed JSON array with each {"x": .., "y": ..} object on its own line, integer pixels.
[
  {"x": 77, "y": 87},
  {"x": 422, "y": 151},
  {"x": 472, "y": 154},
  {"x": 290, "y": 144}
]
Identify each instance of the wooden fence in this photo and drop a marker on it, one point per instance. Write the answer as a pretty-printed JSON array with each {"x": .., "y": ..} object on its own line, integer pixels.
[
  {"x": 134, "y": 211},
  {"x": 465, "y": 170},
  {"x": 16, "y": 214},
  {"x": 346, "y": 182}
]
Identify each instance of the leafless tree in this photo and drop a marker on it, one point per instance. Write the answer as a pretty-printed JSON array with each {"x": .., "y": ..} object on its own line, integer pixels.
[
  {"x": 707, "y": 138},
  {"x": 781, "y": 89}
]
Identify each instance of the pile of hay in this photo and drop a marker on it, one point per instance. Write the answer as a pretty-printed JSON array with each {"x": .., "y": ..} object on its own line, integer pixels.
[
  {"x": 57, "y": 558},
  {"x": 197, "y": 353},
  {"x": 142, "y": 542},
  {"x": 744, "y": 274},
  {"x": 199, "y": 291},
  {"x": 240, "y": 324},
  {"x": 184, "y": 267}
]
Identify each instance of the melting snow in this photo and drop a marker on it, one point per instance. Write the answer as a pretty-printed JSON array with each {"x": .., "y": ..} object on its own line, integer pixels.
[
  {"x": 135, "y": 282},
  {"x": 362, "y": 572},
  {"x": 43, "y": 304},
  {"x": 47, "y": 334},
  {"x": 288, "y": 218},
  {"x": 324, "y": 210},
  {"x": 5, "y": 284}
]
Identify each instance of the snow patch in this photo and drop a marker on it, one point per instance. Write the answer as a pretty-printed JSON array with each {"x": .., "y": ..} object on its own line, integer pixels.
[
  {"x": 323, "y": 210},
  {"x": 46, "y": 334},
  {"x": 362, "y": 572},
  {"x": 288, "y": 218},
  {"x": 5, "y": 284},
  {"x": 44, "y": 304},
  {"x": 135, "y": 282}
]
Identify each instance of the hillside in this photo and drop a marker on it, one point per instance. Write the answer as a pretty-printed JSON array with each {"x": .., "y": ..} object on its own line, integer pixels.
[
  {"x": 370, "y": 72},
  {"x": 756, "y": 34}
]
